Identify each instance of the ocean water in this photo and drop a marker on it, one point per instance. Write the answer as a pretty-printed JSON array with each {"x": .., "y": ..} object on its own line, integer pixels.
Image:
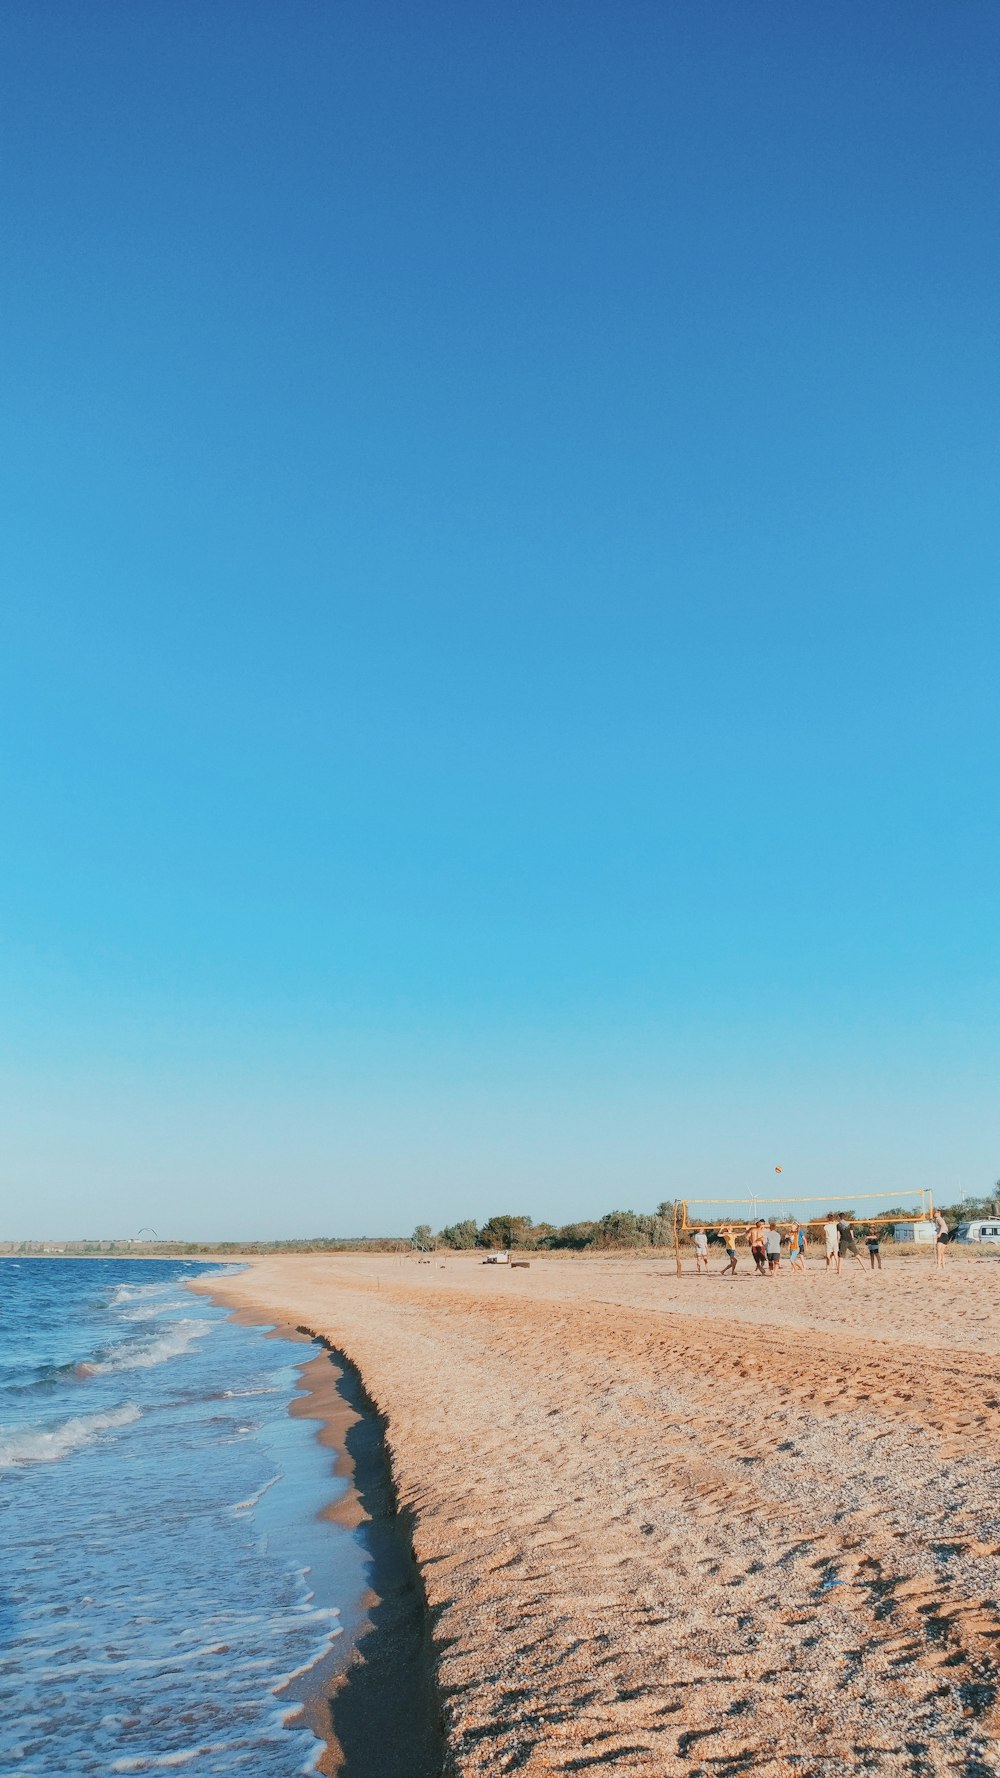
[{"x": 166, "y": 1587}]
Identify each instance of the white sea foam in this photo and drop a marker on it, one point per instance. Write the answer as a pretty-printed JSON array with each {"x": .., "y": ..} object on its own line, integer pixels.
[
  {"x": 245, "y": 1506},
  {"x": 178, "y": 1337},
  {"x": 236, "y": 1752},
  {"x": 131, "y": 1293},
  {"x": 38, "y": 1444},
  {"x": 144, "y": 1313},
  {"x": 161, "y": 1632},
  {"x": 319, "y": 1654},
  {"x": 158, "y": 1762}
]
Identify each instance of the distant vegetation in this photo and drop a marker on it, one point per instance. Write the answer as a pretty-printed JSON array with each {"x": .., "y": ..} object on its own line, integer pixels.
[
  {"x": 619, "y": 1228},
  {"x": 635, "y": 1229},
  {"x": 184, "y": 1249}
]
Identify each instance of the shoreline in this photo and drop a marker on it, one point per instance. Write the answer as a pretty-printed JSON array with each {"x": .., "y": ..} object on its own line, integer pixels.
[{"x": 373, "y": 1700}]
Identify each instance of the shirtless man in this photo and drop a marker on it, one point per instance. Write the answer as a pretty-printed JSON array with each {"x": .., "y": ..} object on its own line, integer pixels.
[{"x": 757, "y": 1237}]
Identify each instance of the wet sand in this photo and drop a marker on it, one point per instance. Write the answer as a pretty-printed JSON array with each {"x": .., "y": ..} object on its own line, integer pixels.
[
  {"x": 687, "y": 1526},
  {"x": 373, "y": 1700}
]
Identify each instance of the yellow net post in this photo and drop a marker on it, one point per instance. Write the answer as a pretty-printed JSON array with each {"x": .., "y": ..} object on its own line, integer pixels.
[{"x": 677, "y": 1239}]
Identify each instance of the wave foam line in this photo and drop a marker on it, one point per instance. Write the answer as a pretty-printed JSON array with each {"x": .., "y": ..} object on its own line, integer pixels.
[
  {"x": 175, "y": 1340},
  {"x": 39, "y": 1444}
]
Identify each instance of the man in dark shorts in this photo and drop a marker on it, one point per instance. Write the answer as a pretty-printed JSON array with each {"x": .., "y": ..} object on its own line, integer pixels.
[
  {"x": 873, "y": 1243},
  {"x": 772, "y": 1244},
  {"x": 729, "y": 1242},
  {"x": 847, "y": 1245}
]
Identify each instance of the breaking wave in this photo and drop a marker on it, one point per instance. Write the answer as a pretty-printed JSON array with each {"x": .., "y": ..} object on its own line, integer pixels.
[
  {"x": 47, "y": 1444},
  {"x": 177, "y": 1338}
]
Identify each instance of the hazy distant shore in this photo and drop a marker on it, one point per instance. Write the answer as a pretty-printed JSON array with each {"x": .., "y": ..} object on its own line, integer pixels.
[{"x": 672, "y": 1525}]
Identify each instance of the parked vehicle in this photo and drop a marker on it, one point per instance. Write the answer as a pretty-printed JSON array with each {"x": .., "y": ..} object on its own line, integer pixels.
[
  {"x": 918, "y": 1233},
  {"x": 978, "y": 1231}
]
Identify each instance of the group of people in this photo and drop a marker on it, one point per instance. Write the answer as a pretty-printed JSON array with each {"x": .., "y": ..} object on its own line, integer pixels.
[{"x": 768, "y": 1244}]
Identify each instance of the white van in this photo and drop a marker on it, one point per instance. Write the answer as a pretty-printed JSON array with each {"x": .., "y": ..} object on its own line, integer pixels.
[{"x": 978, "y": 1231}]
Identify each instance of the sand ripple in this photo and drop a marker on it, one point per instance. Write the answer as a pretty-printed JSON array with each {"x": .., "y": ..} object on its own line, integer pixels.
[{"x": 690, "y": 1526}]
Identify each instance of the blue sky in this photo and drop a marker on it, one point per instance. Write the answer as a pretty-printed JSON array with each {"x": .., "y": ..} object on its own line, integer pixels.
[{"x": 499, "y": 632}]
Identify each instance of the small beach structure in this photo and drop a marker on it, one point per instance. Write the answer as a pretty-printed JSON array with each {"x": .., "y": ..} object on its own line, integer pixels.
[{"x": 920, "y": 1234}]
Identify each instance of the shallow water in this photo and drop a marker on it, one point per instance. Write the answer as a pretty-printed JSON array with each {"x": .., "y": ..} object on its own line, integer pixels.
[{"x": 164, "y": 1576}]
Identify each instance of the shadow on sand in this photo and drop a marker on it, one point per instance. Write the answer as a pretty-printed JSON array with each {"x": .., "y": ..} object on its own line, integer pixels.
[{"x": 385, "y": 1712}]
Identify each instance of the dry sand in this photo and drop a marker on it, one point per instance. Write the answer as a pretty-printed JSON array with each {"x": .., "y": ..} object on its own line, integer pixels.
[{"x": 688, "y": 1526}]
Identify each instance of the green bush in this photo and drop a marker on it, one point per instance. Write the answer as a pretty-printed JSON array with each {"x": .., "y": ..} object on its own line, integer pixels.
[
  {"x": 460, "y": 1235},
  {"x": 506, "y": 1231}
]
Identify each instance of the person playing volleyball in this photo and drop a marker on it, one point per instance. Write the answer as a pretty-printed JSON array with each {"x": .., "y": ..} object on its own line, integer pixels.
[
  {"x": 847, "y": 1246},
  {"x": 728, "y": 1239},
  {"x": 757, "y": 1237}
]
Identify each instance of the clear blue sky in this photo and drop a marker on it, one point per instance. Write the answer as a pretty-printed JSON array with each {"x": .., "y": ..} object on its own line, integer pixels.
[{"x": 499, "y": 558}]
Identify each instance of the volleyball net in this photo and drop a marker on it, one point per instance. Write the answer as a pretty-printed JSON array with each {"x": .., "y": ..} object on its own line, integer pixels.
[{"x": 870, "y": 1209}]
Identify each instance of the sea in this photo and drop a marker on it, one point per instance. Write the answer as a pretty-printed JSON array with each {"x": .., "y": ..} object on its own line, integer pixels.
[{"x": 168, "y": 1588}]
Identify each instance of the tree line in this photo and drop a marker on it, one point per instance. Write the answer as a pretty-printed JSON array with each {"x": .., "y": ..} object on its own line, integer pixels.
[
  {"x": 632, "y": 1228},
  {"x": 619, "y": 1228}
]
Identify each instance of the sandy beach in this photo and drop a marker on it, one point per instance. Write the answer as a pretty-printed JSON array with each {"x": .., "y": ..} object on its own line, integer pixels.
[{"x": 687, "y": 1526}]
